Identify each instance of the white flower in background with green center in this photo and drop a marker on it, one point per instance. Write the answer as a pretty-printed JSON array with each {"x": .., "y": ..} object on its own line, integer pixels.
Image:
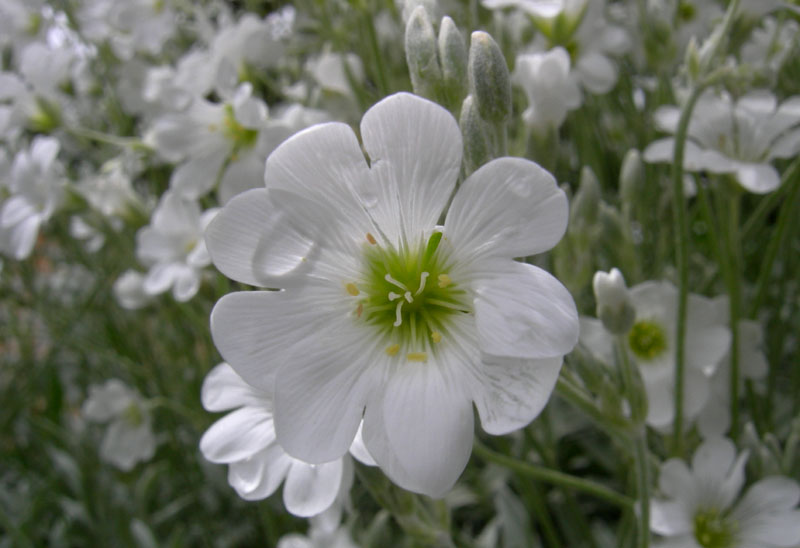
[
  {"x": 244, "y": 439},
  {"x": 129, "y": 437},
  {"x": 651, "y": 345},
  {"x": 741, "y": 137},
  {"x": 702, "y": 508},
  {"x": 383, "y": 314}
]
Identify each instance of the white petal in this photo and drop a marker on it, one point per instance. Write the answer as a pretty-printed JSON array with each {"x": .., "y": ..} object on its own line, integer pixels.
[
  {"x": 513, "y": 392},
  {"x": 786, "y": 146},
  {"x": 598, "y": 74},
  {"x": 124, "y": 445},
  {"x": 767, "y": 514},
  {"x": 428, "y": 424},
  {"x": 256, "y": 330},
  {"x": 245, "y": 174},
  {"x": 666, "y": 119},
  {"x": 676, "y": 481},
  {"x": 321, "y": 390},
  {"x": 415, "y": 150},
  {"x": 223, "y": 389},
  {"x": 197, "y": 176},
  {"x": 161, "y": 277},
  {"x": 16, "y": 210},
  {"x": 659, "y": 151},
  {"x": 238, "y": 435},
  {"x": 707, "y": 341},
  {"x": 669, "y": 518},
  {"x": 758, "y": 178},
  {"x": 257, "y": 477},
  {"x": 23, "y": 237},
  {"x": 359, "y": 450},
  {"x": 311, "y": 488},
  {"x": 595, "y": 338},
  {"x": 713, "y": 460},
  {"x": 186, "y": 285},
  {"x": 509, "y": 207},
  {"x": 524, "y": 312}
]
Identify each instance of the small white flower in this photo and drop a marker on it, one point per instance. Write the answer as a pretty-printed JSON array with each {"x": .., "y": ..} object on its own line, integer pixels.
[
  {"x": 244, "y": 439},
  {"x": 740, "y": 137},
  {"x": 545, "y": 78},
  {"x": 129, "y": 437},
  {"x": 384, "y": 314},
  {"x": 703, "y": 508},
  {"x": 36, "y": 183},
  {"x": 650, "y": 343},
  {"x": 172, "y": 246},
  {"x": 129, "y": 290}
]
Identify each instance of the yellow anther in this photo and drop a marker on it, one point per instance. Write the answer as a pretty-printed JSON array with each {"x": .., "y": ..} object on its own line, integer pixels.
[
  {"x": 392, "y": 350},
  {"x": 371, "y": 239},
  {"x": 436, "y": 337},
  {"x": 417, "y": 356},
  {"x": 352, "y": 289},
  {"x": 444, "y": 280}
]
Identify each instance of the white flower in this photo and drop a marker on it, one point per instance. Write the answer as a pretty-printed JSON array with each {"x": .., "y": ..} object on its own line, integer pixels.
[
  {"x": 714, "y": 420},
  {"x": 36, "y": 183},
  {"x": 318, "y": 538},
  {"x": 703, "y": 508},
  {"x": 540, "y": 8},
  {"x": 545, "y": 78},
  {"x": 650, "y": 343},
  {"x": 383, "y": 313},
  {"x": 244, "y": 439},
  {"x": 110, "y": 191},
  {"x": 129, "y": 290},
  {"x": 741, "y": 138},
  {"x": 172, "y": 246},
  {"x": 770, "y": 44},
  {"x": 129, "y": 437}
]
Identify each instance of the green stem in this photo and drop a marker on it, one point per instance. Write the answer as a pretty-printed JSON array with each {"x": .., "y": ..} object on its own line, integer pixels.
[
  {"x": 115, "y": 140},
  {"x": 578, "y": 397},
  {"x": 770, "y": 202},
  {"x": 788, "y": 209},
  {"x": 732, "y": 279},
  {"x": 682, "y": 262},
  {"x": 383, "y": 83},
  {"x": 554, "y": 477}
]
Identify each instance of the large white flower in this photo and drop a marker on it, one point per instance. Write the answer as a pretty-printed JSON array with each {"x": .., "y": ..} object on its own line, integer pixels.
[
  {"x": 129, "y": 437},
  {"x": 384, "y": 314},
  {"x": 703, "y": 508},
  {"x": 650, "y": 342},
  {"x": 244, "y": 439},
  {"x": 740, "y": 137}
]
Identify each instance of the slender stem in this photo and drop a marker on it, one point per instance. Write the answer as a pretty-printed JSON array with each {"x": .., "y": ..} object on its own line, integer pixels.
[
  {"x": 554, "y": 477},
  {"x": 580, "y": 399},
  {"x": 383, "y": 83},
  {"x": 107, "y": 138},
  {"x": 682, "y": 262},
  {"x": 640, "y": 454},
  {"x": 732, "y": 279},
  {"x": 770, "y": 202},
  {"x": 788, "y": 209}
]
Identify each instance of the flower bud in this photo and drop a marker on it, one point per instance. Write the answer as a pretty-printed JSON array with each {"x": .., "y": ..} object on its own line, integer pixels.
[
  {"x": 584, "y": 206},
  {"x": 453, "y": 58},
  {"x": 631, "y": 176},
  {"x": 476, "y": 136},
  {"x": 614, "y": 306},
  {"x": 421, "y": 54},
  {"x": 489, "y": 80}
]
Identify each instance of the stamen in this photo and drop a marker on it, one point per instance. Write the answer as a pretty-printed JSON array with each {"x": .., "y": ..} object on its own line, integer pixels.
[
  {"x": 392, "y": 350},
  {"x": 436, "y": 337},
  {"x": 422, "y": 278},
  {"x": 392, "y": 281},
  {"x": 417, "y": 356},
  {"x": 352, "y": 289},
  {"x": 393, "y": 295},
  {"x": 444, "y": 280},
  {"x": 371, "y": 239},
  {"x": 408, "y": 297},
  {"x": 398, "y": 315}
]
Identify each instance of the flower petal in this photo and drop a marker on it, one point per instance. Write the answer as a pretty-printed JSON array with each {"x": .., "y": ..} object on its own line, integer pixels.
[
  {"x": 197, "y": 176},
  {"x": 509, "y": 207},
  {"x": 321, "y": 391},
  {"x": 259, "y": 476},
  {"x": 524, "y": 312},
  {"x": 310, "y": 489},
  {"x": 669, "y": 518},
  {"x": 598, "y": 74},
  {"x": 427, "y": 424},
  {"x": 223, "y": 389},
  {"x": 758, "y": 178},
  {"x": 415, "y": 150},
  {"x": 238, "y": 435}
]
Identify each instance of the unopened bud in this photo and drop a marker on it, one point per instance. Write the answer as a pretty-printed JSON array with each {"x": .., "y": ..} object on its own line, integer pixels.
[
  {"x": 614, "y": 306},
  {"x": 585, "y": 204},
  {"x": 489, "y": 80},
  {"x": 46, "y": 117},
  {"x": 631, "y": 176},
  {"x": 476, "y": 136},
  {"x": 453, "y": 59},
  {"x": 692, "y": 59},
  {"x": 421, "y": 55}
]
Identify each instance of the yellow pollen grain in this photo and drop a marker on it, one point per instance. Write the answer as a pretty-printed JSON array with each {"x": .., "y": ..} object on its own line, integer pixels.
[
  {"x": 352, "y": 289},
  {"x": 417, "y": 356},
  {"x": 436, "y": 336},
  {"x": 371, "y": 239},
  {"x": 444, "y": 280},
  {"x": 392, "y": 350}
]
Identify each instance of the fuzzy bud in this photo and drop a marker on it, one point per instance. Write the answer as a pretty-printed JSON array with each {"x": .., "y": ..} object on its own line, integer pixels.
[
  {"x": 476, "y": 136},
  {"x": 584, "y": 206},
  {"x": 421, "y": 54},
  {"x": 631, "y": 176},
  {"x": 614, "y": 306},
  {"x": 489, "y": 80},
  {"x": 453, "y": 59}
]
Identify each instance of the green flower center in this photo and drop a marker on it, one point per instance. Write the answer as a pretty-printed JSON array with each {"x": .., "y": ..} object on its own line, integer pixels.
[
  {"x": 647, "y": 339},
  {"x": 241, "y": 136},
  {"x": 133, "y": 415},
  {"x": 686, "y": 11},
  {"x": 408, "y": 297},
  {"x": 712, "y": 530}
]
